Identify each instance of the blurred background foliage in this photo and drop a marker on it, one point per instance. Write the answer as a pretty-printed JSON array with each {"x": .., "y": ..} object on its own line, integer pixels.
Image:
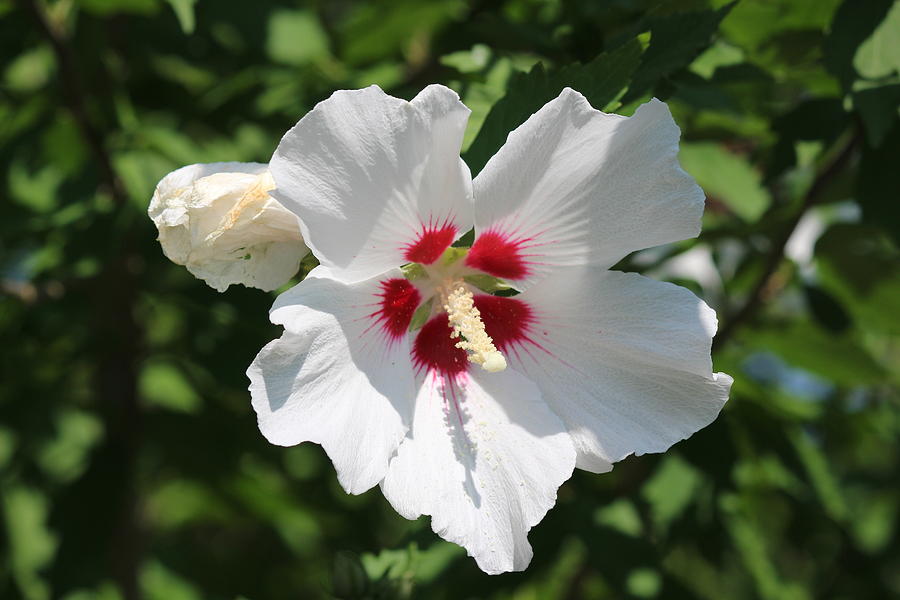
[{"x": 130, "y": 462}]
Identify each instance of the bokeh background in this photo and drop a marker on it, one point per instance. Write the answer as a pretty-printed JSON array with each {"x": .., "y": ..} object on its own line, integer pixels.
[{"x": 130, "y": 462}]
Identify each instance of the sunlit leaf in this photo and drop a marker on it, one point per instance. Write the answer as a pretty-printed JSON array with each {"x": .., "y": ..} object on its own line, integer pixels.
[
  {"x": 184, "y": 10},
  {"x": 295, "y": 37},
  {"x": 820, "y": 473},
  {"x": 31, "y": 544},
  {"x": 671, "y": 489},
  {"x": 65, "y": 456},
  {"x": 879, "y": 55},
  {"x": 853, "y": 24},
  {"x": 840, "y": 359},
  {"x": 164, "y": 385},
  {"x": 161, "y": 583},
  {"x": 727, "y": 177}
]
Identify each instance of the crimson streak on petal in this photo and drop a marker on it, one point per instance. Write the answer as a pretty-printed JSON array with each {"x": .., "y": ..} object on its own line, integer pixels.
[
  {"x": 431, "y": 243},
  {"x": 435, "y": 351},
  {"x": 498, "y": 255},
  {"x": 507, "y": 320},
  {"x": 399, "y": 300}
]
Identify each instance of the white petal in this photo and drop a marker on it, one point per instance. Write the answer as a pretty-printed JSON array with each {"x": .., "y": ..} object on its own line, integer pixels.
[
  {"x": 624, "y": 361},
  {"x": 335, "y": 378},
  {"x": 484, "y": 458},
  {"x": 573, "y": 185},
  {"x": 370, "y": 175},
  {"x": 219, "y": 221}
]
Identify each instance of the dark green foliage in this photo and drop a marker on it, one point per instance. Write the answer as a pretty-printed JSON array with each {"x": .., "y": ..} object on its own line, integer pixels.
[
  {"x": 601, "y": 81},
  {"x": 130, "y": 461},
  {"x": 675, "y": 40},
  {"x": 879, "y": 181}
]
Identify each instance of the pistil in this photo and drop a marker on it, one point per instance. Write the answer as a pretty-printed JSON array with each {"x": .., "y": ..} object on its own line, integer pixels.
[{"x": 468, "y": 326}]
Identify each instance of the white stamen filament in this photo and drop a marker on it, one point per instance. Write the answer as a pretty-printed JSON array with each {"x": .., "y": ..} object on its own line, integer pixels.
[{"x": 467, "y": 324}]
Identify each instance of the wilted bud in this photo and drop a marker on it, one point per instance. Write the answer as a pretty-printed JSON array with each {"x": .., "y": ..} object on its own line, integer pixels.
[{"x": 219, "y": 221}]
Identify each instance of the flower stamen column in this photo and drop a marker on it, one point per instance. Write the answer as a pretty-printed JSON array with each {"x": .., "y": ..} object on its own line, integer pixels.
[{"x": 466, "y": 322}]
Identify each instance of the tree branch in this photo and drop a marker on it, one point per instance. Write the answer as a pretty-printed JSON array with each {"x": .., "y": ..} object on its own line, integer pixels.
[
  {"x": 773, "y": 259},
  {"x": 75, "y": 97},
  {"x": 114, "y": 292}
]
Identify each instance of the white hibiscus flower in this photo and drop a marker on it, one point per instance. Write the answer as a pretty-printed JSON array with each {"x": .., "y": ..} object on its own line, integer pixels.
[
  {"x": 219, "y": 221},
  {"x": 601, "y": 364}
]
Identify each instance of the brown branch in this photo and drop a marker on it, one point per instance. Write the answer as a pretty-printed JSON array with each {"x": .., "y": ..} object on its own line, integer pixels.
[
  {"x": 775, "y": 256},
  {"x": 75, "y": 96},
  {"x": 114, "y": 294}
]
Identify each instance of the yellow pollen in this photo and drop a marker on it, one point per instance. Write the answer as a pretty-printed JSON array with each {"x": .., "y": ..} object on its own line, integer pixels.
[{"x": 467, "y": 324}]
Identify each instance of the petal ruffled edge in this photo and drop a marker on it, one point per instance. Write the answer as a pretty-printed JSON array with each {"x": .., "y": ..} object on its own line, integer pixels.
[
  {"x": 335, "y": 377},
  {"x": 574, "y": 185},
  {"x": 624, "y": 360},
  {"x": 484, "y": 457},
  {"x": 377, "y": 181}
]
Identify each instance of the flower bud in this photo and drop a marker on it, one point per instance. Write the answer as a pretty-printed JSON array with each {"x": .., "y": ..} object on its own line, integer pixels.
[{"x": 219, "y": 221}]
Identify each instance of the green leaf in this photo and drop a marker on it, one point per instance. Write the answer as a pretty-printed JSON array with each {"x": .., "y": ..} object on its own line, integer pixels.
[
  {"x": 601, "y": 81},
  {"x": 853, "y": 24},
  {"x": 414, "y": 271},
  {"x": 140, "y": 171},
  {"x": 184, "y": 10},
  {"x": 161, "y": 583},
  {"x": 838, "y": 358},
  {"x": 818, "y": 470},
  {"x": 752, "y": 544},
  {"x": 644, "y": 583},
  {"x": 66, "y": 456},
  {"x": 31, "y": 544},
  {"x": 30, "y": 71},
  {"x": 111, "y": 7},
  {"x": 389, "y": 563},
  {"x": 727, "y": 177},
  {"x": 875, "y": 519},
  {"x": 349, "y": 579},
  {"x": 879, "y": 182},
  {"x": 177, "y": 69},
  {"x": 783, "y": 37},
  {"x": 380, "y": 29},
  {"x": 622, "y": 516},
  {"x": 671, "y": 489},
  {"x": 879, "y": 107},
  {"x": 7, "y": 446},
  {"x": 164, "y": 385},
  {"x": 64, "y": 146},
  {"x": 879, "y": 55},
  {"x": 675, "y": 41},
  {"x": 421, "y": 315},
  {"x": 720, "y": 54},
  {"x": 452, "y": 254},
  {"x": 468, "y": 61},
  {"x": 487, "y": 283},
  {"x": 38, "y": 191},
  {"x": 861, "y": 267},
  {"x": 174, "y": 503},
  {"x": 826, "y": 309},
  {"x": 295, "y": 37}
]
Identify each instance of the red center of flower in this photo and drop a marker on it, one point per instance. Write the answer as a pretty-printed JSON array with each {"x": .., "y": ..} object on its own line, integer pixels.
[
  {"x": 506, "y": 320},
  {"x": 399, "y": 300},
  {"x": 484, "y": 326},
  {"x": 430, "y": 244},
  {"x": 434, "y": 350},
  {"x": 498, "y": 255}
]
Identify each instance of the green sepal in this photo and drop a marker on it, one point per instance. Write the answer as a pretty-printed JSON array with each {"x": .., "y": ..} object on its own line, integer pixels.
[
  {"x": 421, "y": 315},
  {"x": 413, "y": 271},
  {"x": 486, "y": 283},
  {"x": 451, "y": 255}
]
